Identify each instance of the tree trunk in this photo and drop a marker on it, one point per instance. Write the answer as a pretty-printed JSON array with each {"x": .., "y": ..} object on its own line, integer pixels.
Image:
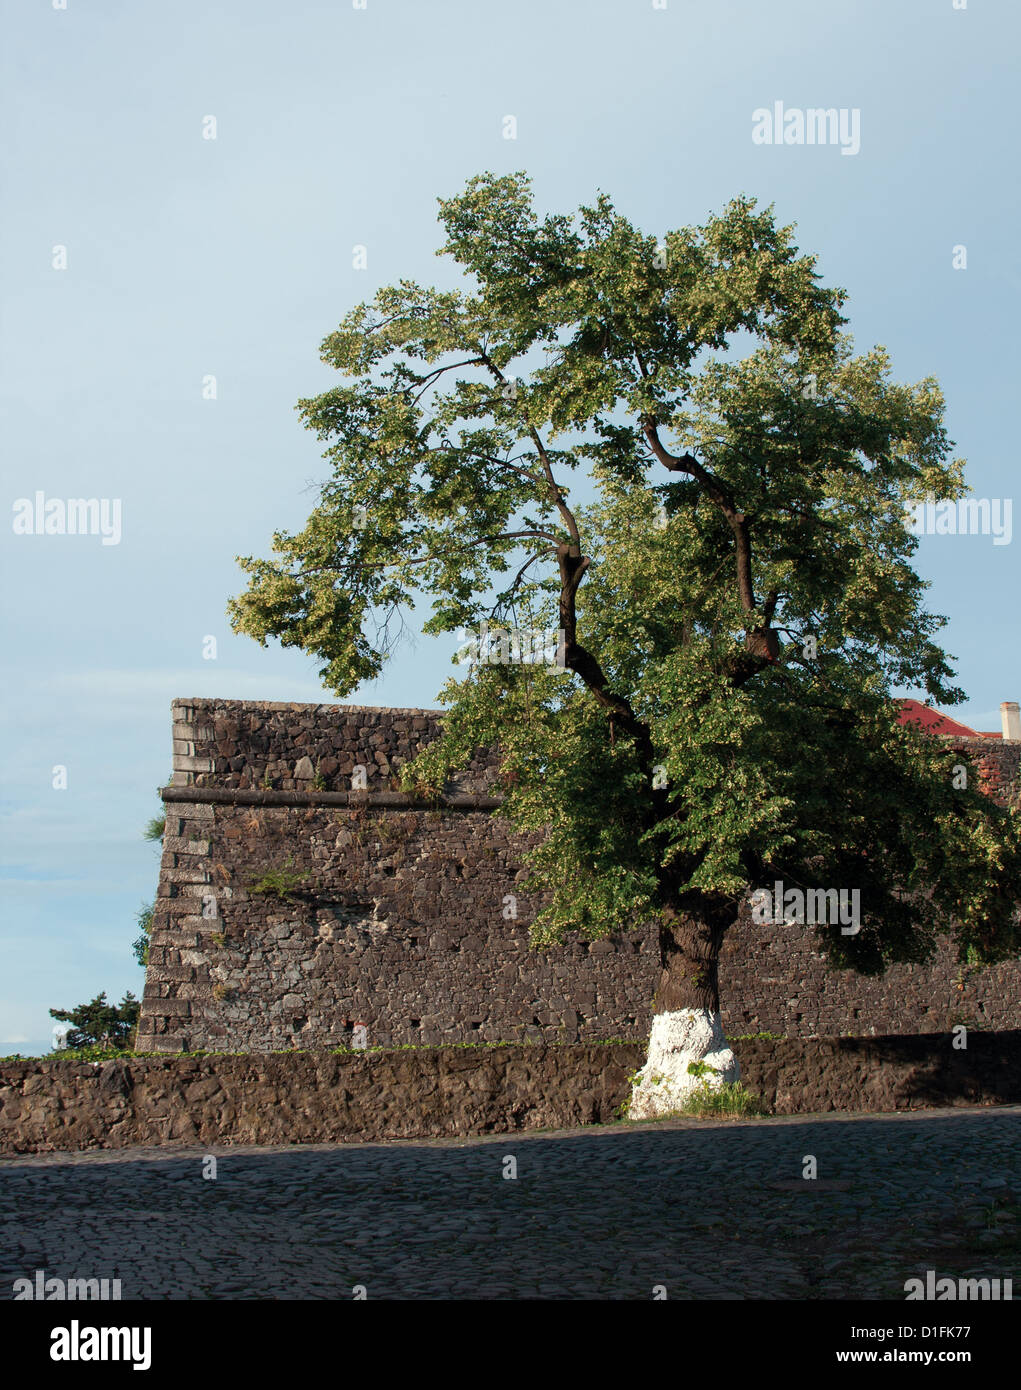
[
  {"x": 689, "y": 951},
  {"x": 687, "y": 1049}
]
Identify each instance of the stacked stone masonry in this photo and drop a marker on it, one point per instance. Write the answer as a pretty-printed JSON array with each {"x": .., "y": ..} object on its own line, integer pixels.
[
  {"x": 291, "y": 909},
  {"x": 49, "y": 1104}
]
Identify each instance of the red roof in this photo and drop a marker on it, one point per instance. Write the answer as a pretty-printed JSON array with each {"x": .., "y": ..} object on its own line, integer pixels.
[{"x": 914, "y": 712}]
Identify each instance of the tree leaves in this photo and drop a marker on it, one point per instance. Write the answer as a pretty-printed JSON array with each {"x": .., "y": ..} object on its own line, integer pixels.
[{"x": 735, "y": 603}]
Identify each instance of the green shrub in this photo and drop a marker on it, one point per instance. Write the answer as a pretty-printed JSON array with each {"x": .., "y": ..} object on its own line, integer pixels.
[
  {"x": 143, "y": 920},
  {"x": 99, "y": 1023},
  {"x": 279, "y": 883},
  {"x": 732, "y": 1099}
]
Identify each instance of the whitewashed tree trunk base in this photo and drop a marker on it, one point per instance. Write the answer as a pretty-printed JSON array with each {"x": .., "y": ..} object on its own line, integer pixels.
[{"x": 677, "y": 1039}]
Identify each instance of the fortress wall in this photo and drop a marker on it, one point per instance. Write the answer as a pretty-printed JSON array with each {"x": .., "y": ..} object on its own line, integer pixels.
[{"x": 291, "y": 909}]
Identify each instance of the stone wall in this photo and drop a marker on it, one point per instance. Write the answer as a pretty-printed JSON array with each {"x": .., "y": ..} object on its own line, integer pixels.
[
  {"x": 314, "y": 1098},
  {"x": 998, "y": 762},
  {"x": 292, "y": 908},
  {"x": 254, "y": 745},
  {"x": 400, "y": 924}
]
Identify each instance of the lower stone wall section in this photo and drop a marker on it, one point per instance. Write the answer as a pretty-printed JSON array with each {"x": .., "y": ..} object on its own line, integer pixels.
[
  {"x": 804, "y": 1076},
  {"x": 415, "y": 924},
  {"x": 411, "y": 922},
  {"x": 775, "y": 979},
  {"x": 309, "y": 1098}
]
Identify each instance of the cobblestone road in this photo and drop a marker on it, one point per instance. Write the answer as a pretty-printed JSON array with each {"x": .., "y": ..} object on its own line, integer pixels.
[{"x": 709, "y": 1210}]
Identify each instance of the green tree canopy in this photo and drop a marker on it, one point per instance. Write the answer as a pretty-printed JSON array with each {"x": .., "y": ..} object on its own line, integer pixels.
[
  {"x": 154, "y": 831},
  {"x": 99, "y": 1023},
  {"x": 734, "y": 606}
]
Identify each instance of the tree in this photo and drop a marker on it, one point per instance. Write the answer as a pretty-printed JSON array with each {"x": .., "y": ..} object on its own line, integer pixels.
[
  {"x": 731, "y": 609},
  {"x": 140, "y": 945},
  {"x": 110, "y": 1025},
  {"x": 100, "y": 1024},
  {"x": 155, "y": 830}
]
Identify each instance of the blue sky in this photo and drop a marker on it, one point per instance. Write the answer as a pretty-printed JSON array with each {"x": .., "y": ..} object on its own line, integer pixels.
[{"x": 335, "y": 127}]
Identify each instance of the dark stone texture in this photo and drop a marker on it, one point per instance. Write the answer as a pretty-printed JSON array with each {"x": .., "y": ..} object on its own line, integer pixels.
[
  {"x": 397, "y": 916},
  {"x": 313, "y": 1098}
]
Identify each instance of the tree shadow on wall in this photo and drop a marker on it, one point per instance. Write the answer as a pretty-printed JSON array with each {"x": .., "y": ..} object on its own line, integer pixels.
[{"x": 928, "y": 1069}]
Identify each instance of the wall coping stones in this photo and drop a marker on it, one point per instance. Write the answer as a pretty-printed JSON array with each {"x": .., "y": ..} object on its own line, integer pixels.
[
  {"x": 228, "y": 796},
  {"x": 287, "y": 706}
]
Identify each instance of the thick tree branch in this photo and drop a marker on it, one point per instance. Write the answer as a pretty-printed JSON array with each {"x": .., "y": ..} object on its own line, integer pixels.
[
  {"x": 537, "y": 535},
  {"x": 572, "y": 569},
  {"x": 724, "y": 499},
  {"x": 761, "y": 645}
]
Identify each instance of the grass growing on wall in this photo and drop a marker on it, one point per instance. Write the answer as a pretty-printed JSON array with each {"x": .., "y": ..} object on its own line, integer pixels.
[
  {"x": 105, "y": 1054},
  {"x": 96, "y": 1053},
  {"x": 279, "y": 883}
]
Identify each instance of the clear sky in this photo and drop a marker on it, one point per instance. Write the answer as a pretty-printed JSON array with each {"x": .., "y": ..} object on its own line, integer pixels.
[{"x": 336, "y": 126}]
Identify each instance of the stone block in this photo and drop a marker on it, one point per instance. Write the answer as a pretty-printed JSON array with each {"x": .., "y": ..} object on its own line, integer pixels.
[
  {"x": 170, "y": 1008},
  {"x": 182, "y": 762}
]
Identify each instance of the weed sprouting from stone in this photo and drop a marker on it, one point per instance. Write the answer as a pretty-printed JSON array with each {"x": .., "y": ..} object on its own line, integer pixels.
[{"x": 280, "y": 883}]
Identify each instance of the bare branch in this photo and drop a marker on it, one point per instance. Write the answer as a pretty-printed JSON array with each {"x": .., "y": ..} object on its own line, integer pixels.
[
  {"x": 432, "y": 377},
  {"x": 508, "y": 598},
  {"x": 558, "y": 497},
  {"x": 487, "y": 458}
]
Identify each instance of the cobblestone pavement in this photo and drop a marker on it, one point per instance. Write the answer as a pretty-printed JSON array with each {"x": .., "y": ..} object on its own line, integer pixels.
[{"x": 709, "y": 1210}]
